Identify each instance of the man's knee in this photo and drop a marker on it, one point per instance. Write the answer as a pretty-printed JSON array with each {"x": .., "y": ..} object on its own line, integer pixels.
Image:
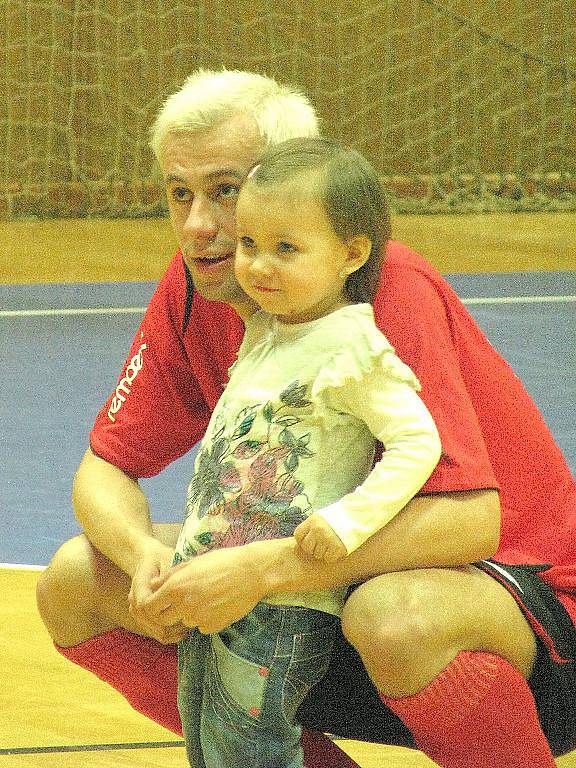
[
  {"x": 408, "y": 626},
  {"x": 83, "y": 594},
  {"x": 388, "y": 610},
  {"x": 435, "y": 604},
  {"x": 65, "y": 573},
  {"x": 78, "y": 572},
  {"x": 64, "y": 592},
  {"x": 398, "y": 625}
]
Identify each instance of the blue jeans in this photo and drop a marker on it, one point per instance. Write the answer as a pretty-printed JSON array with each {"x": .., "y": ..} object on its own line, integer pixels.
[{"x": 239, "y": 690}]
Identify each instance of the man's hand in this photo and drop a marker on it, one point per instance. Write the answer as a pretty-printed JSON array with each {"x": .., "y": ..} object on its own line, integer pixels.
[
  {"x": 210, "y": 591},
  {"x": 318, "y": 540},
  {"x": 155, "y": 561}
]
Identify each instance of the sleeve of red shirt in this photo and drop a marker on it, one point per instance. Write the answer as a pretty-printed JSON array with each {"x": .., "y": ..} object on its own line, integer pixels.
[
  {"x": 157, "y": 411},
  {"x": 419, "y": 313}
]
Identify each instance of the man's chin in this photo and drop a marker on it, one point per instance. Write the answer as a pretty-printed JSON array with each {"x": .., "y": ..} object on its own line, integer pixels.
[{"x": 226, "y": 292}]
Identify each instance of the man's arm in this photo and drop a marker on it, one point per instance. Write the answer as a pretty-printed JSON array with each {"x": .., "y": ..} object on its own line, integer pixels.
[
  {"x": 220, "y": 587},
  {"x": 440, "y": 530},
  {"x": 113, "y": 512}
]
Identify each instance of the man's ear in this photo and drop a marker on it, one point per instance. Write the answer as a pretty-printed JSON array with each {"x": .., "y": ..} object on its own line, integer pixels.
[{"x": 359, "y": 249}]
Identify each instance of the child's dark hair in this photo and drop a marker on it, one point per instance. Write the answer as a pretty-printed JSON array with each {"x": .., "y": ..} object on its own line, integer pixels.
[{"x": 349, "y": 189}]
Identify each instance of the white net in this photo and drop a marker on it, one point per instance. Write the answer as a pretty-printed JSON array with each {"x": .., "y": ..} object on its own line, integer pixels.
[{"x": 461, "y": 105}]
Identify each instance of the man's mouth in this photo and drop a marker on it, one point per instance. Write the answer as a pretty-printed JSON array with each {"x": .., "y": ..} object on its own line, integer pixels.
[
  {"x": 211, "y": 262},
  {"x": 213, "y": 259}
]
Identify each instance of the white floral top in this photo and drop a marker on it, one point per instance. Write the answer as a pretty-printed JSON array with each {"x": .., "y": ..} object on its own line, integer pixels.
[{"x": 295, "y": 432}]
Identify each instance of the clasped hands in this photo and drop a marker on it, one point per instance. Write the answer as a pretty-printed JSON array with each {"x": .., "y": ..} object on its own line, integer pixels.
[
  {"x": 209, "y": 592},
  {"x": 214, "y": 590}
]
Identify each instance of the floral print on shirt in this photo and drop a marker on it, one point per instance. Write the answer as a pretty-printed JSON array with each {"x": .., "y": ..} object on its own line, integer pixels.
[{"x": 244, "y": 486}]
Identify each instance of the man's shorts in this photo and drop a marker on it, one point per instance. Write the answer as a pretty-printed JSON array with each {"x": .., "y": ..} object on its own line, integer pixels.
[{"x": 346, "y": 703}]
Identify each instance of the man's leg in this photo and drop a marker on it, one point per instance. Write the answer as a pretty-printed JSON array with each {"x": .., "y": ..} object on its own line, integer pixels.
[
  {"x": 83, "y": 600},
  {"x": 82, "y": 594},
  {"x": 449, "y": 650}
]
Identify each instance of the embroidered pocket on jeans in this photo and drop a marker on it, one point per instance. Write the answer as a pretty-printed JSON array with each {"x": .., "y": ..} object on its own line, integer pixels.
[{"x": 243, "y": 681}]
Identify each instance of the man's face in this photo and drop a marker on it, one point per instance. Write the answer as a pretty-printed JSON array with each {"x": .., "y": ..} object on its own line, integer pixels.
[{"x": 203, "y": 172}]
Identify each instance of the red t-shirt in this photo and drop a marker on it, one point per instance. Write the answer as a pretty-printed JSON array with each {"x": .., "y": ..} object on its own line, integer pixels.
[{"x": 493, "y": 436}]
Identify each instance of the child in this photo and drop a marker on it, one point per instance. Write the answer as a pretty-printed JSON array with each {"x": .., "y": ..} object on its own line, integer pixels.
[{"x": 290, "y": 446}]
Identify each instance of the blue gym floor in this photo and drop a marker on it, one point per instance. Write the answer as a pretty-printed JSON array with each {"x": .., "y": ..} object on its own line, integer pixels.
[{"x": 62, "y": 346}]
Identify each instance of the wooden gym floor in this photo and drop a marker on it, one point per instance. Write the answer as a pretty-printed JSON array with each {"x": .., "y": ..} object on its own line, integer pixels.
[
  {"x": 87, "y": 250},
  {"x": 48, "y": 702}
]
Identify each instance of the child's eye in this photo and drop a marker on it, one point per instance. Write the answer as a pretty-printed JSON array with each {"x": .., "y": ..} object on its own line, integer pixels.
[
  {"x": 246, "y": 242},
  {"x": 284, "y": 247}
]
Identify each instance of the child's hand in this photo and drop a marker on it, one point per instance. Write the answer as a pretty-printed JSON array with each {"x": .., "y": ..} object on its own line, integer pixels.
[{"x": 317, "y": 539}]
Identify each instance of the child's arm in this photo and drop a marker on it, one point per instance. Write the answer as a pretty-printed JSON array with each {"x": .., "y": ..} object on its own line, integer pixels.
[{"x": 398, "y": 418}]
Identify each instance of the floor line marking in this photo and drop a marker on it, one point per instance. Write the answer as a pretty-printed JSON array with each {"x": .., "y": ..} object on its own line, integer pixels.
[
  {"x": 90, "y": 747},
  {"x": 140, "y": 310},
  {"x": 519, "y": 300},
  {"x": 21, "y": 567},
  {"x": 72, "y": 312}
]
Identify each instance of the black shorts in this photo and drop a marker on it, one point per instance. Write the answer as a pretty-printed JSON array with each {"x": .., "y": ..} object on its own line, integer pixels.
[{"x": 346, "y": 703}]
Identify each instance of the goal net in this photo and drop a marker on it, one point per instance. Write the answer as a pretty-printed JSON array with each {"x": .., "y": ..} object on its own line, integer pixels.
[{"x": 462, "y": 105}]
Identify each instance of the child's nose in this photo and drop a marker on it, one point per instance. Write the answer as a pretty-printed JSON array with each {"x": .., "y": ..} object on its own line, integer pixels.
[{"x": 261, "y": 265}]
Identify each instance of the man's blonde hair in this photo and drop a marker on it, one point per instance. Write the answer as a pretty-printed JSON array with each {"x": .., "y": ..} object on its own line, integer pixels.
[{"x": 209, "y": 97}]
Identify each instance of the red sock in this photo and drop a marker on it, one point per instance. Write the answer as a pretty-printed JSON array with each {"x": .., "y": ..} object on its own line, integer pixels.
[
  {"x": 145, "y": 673},
  {"x": 142, "y": 670},
  {"x": 478, "y": 713}
]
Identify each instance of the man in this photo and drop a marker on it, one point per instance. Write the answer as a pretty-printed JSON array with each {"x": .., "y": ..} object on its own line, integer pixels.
[{"x": 472, "y": 663}]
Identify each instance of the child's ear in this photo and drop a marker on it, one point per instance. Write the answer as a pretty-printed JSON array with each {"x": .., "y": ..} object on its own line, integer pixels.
[{"x": 359, "y": 248}]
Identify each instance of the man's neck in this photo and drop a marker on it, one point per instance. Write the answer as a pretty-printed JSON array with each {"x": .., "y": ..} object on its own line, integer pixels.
[{"x": 245, "y": 309}]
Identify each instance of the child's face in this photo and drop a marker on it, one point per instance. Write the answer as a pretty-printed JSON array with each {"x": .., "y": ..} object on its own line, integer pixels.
[{"x": 288, "y": 257}]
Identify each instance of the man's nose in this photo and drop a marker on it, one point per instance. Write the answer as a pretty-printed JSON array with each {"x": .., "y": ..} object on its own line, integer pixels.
[{"x": 201, "y": 223}]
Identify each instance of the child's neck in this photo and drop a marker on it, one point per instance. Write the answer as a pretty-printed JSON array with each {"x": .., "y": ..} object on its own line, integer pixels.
[{"x": 299, "y": 319}]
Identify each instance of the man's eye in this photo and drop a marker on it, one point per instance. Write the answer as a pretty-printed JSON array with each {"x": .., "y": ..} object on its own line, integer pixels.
[
  {"x": 228, "y": 191},
  {"x": 284, "y": 247},
  {"x": 246, "y": 242},
  {"x": 181, "y": 194}
]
